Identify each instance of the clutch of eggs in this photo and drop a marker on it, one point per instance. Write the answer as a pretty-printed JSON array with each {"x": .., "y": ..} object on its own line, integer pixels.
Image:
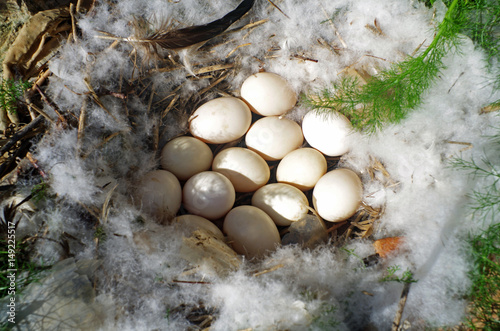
[{"x": 210, "y": 182}]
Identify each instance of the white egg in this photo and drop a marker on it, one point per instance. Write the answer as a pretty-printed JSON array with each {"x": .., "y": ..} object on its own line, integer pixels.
[
  {"x": 186, "y": 156},
  {"x": 246, "y": 170},
  {"x": 251, "y": 231},
  {"x": 208, "y": 194},
  {"x": 160, "y": 195},
  {"x": 273, "y": 138},
  {"x": 301, "y": 168},
  {"x": 190, "y": 223},
  {"x": 268, "y": 94},
  {"x": 327, "y": 131},
  {"x": 220, "y": 120},
  {"x": 337, "y": 195},
  {"x": 284, "y": 203}
]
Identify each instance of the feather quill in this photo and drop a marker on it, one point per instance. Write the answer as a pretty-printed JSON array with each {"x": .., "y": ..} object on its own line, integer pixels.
[{"x": 181, "y": 38}]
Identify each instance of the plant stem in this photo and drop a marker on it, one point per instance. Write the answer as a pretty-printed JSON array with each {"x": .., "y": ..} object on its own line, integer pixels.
[{"x": 447, "y": 20}]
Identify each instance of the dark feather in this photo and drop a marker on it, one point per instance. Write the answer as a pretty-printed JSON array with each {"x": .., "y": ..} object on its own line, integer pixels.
[{"x": 195, "y": 34}]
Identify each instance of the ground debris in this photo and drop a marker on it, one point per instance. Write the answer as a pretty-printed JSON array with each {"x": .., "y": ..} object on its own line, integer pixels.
[{"x": 63, "y": 300}]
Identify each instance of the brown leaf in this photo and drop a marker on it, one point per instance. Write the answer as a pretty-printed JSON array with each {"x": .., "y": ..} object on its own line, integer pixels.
[{"x": 386, "y": 246}]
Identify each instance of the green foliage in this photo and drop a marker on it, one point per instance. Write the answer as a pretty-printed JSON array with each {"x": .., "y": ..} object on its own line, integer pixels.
[
  {"x": 326, "y": 319},
  {"x": 167, "y": 314},
  {"x": 350, "y": 252},
  {"x": 39, "y": 192},
  {"x": 391, "y": 276},
  {"x": 15, "y": 256},
  {"x": 486, "y": 202},
  {"x": 485, "y": 275},
  {"x": 391, "y": 95},
  {"x": 480, "y": 21},
  {"x": 26, "y": 271},
  {"x": 19, "y": 263},
  {"x": 485, "y": 247},
  {"x": 10, "y": 92},
  {"x": 100, "y": 233}
]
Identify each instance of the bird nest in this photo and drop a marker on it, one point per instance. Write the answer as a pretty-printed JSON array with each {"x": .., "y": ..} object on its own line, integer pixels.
[{"x": 154, "y": 50}]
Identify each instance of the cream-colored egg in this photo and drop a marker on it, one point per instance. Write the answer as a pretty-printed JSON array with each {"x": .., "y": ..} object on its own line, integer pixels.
[
  {"x": 327, "y": 131},
  {"x": 251, "y": 231},
  {"x": 337, "y": 195},
  {"x": 190, "y": 223},
  {"x": 208, "y": 194},
  {"x": 220, "y": 120},
  {"x": 301, "y": 168},
  {"x": 268, "y": 94},
  {"x": 246, "y": 170},
  {"x": 186, "y": 156},
  {"x": 160, "y": 195},
  {"x": 273, "y": 138},
  {"x": 284, "y": 203}
]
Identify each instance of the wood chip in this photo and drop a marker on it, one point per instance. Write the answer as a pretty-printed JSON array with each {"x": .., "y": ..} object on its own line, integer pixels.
[{"x": 386, "y": 246}]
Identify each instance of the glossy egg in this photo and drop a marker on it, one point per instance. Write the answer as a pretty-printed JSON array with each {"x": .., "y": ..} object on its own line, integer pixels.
[
  {"x": 284, "y": 203},
  {"x": 337, "y": 195},
  {"x": 301, "y": 168},
  {"x": 273, "y": 137},
  {"x": 251, "y": 231},
  {"x": 268, "y": 94},
  {"x": 208, "y": 194},
  {"x": 220, "y": 120},
  {"x": 246, "y": 170},
  {"x": 327, "y": 131},
  {"x": 186, "y": 156}
]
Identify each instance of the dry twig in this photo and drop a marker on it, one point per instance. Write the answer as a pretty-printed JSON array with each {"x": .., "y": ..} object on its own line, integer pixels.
[
  {"x": 276, "y": 267},
  {"x": 21, "y": 134},
  {"x": 401, "y": 306}
]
